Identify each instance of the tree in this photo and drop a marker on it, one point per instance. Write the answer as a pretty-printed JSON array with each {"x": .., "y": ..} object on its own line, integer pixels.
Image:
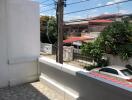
[
  {"x": 94, "y": 51},
  {"x": 48, "y": 29},
  {"x": 52, "y": 30},
  {"x": 43, "y": 22},
  {"x": 116, "y": 39}
]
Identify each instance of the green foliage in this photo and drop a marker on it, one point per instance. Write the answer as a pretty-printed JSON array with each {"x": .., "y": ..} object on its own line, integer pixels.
[
  {"x": 92, "y": 50},
  {"x": 90, "y": 67},
  {"x": 52, "y": 29},
  {"x": 48, "y": 24},
  {"x": 100, "y": 63},
  {"x": 116, "y": 39},
  {"x": 43, "y": 23}
]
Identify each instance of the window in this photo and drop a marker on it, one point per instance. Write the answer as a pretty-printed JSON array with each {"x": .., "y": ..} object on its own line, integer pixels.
[
  {"x": 109, "y": 70},
  {"x": 126, "y": 72}
]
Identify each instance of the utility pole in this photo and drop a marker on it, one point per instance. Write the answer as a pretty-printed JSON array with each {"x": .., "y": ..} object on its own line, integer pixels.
[
  {"x": 56, "y": 3},
  {"x": 60, "y": 8}
]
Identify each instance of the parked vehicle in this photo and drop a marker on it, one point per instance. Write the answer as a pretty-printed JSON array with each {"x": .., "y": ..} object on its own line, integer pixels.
[{"x": 116, "y": 71}]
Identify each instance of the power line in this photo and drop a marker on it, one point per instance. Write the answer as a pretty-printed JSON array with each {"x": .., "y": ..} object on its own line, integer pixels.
[
  {"x": 97, "y": 7},
  {"x": 51, "y": 4},
  {"x": 44, "y": 1},
  {"x": 48, "y": 10},
  {"x": 46, "y": 5},
  {"x": 77, "y": 2},
  {"x": 54, "y": 1}
]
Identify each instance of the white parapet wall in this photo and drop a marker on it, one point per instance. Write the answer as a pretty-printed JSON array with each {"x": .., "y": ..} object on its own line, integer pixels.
[
  {"x": 77, "y": 84},
  {"x": 19, "y": 41}
]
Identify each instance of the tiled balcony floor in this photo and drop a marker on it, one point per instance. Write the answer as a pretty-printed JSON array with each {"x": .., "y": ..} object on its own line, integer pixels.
[{"x": 30, "y": 91}]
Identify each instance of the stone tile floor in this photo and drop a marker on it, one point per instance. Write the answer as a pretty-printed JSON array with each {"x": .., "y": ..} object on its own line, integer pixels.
[{"x": 29, "y": 91}]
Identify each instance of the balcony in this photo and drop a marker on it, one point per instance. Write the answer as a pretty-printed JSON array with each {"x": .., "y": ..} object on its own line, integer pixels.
[
  {"x": 21, "y": 64},
  {"x": 77, "y": 84},
  {"x": 66, "y": 82}
]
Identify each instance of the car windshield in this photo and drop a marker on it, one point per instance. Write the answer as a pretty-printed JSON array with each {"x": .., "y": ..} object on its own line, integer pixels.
[{"x": 126, "y": 72}]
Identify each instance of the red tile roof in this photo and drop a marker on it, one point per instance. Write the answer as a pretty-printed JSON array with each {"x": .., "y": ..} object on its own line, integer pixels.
[
  {"x": 101, "y": 21},
  {"x": 112, "y": 79},
  {"x": 74, "y": 39}
]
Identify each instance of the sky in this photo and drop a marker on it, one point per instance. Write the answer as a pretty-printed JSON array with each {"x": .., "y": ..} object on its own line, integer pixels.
[{"x": 124, "y": 8}]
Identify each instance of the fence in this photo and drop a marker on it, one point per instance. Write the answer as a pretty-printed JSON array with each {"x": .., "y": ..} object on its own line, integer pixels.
[
  {"x": 78, "y": 56},
  {"x": 82, "y": 59}
]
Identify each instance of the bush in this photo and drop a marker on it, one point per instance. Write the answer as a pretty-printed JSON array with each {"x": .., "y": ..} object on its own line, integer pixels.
[
  {"x": 101, "y": 63},
  {"x": 90, "y": 67},
  {"x": 92, "y": 50},
  {"x": 116, "y": 39}
]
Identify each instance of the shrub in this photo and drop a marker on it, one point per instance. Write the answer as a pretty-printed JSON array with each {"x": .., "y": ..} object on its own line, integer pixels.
[
  {"x": 116, "y": 39},
  {"x": 90, "y": 67},
  {"x": 94, "y": 51}
]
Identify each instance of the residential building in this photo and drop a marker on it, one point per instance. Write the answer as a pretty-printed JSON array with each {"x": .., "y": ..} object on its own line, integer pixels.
[
  {"x": 20, "y": 62},
  {"x": 92, "y": 26}
]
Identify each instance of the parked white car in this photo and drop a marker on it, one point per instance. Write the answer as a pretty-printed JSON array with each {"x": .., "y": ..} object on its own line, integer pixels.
[{"x": 117, "y": 71}]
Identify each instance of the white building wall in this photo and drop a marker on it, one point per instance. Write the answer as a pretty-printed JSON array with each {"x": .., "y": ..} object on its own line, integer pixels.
[
  {"x": 21, "y": 41},
  {"x": 3, "y": 46}
]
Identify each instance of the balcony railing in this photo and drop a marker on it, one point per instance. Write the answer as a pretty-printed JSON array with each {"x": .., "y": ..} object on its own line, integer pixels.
[{"x": 77, "y": 84}]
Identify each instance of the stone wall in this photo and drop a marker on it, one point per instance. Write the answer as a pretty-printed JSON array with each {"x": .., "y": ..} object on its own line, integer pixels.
[{"x": 116, "y": 60}]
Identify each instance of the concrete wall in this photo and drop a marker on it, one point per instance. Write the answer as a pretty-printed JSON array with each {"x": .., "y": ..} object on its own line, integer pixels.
[
  {"x": 68, "y": 53},
  {"x": 76, "y": 84},
  {"x": 3, "y": 45},
  {"x": 19, "y": 40},
  {"x": 116, "y": 60},
  {"x": 47, "y": 48}
]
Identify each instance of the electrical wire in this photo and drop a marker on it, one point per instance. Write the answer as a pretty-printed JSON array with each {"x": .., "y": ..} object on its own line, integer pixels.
[
  {"x": 98, "y": 7},
  {"x": 51, "y": 4},
  {"x": 90, "y": 8},
  {"x": 77, "y": 2},
  {"x": 44, "y": 1},
  {"x": 47, "y": 5},
  {"x": 48, "y": 10}
]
